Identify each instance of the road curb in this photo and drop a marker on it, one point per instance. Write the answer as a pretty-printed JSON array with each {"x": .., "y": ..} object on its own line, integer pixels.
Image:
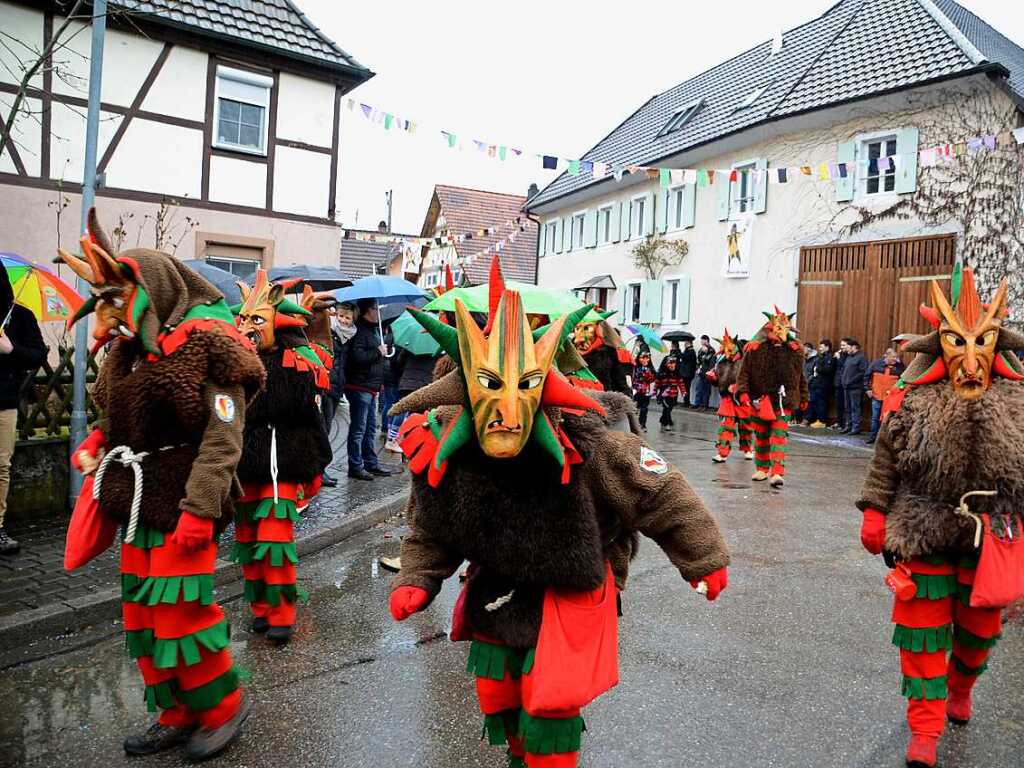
[{"x": 69, "y": 616}]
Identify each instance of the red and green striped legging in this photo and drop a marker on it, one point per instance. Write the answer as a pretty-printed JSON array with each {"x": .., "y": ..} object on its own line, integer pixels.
[
  {"x": 176, "y": 632},
  {"x": 770, "y": 439},
  {"x": 944, "y": 643},
  {"x": 732, "y": 415}
]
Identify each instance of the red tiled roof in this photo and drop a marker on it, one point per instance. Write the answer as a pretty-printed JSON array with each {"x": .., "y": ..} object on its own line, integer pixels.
[{"x": 468, "y": 210}]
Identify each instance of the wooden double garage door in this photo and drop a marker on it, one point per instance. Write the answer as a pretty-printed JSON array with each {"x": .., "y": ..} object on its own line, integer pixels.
[{"x": 870, "y": 291}]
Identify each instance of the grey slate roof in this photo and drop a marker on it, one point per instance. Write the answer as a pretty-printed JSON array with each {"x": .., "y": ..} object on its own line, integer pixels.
[
  {"x": 276, "y": 25},
  {"x": 856, "y": 49},
  {"x": 360, "y": 258}
]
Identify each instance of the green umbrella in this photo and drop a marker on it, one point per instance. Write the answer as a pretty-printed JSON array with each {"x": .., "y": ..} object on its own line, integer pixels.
[
  {"x": 409, "y": 335},
  {"x": 536, "y": 301},
  {"x": 648, "y": 335}
]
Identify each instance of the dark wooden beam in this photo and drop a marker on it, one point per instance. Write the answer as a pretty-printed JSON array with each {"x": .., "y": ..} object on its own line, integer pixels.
[{"x": 332, "y": 189}]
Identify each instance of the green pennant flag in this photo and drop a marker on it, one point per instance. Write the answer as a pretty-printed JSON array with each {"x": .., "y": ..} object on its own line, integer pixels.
[
  {"x": 388, "y": 119},
  {"x": 574, "y": 167},
  {"x": 664, "y": 177},
  {"x": 502, "y": 152},
  {"x": 702, "y": 178}
]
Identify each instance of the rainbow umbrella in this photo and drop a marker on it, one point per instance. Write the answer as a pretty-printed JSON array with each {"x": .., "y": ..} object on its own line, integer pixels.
[{"x": 39, "y": 290}]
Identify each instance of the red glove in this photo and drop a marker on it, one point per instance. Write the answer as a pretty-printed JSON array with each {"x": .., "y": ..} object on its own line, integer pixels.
[
  {"x": 405, "y": 601},
  {"x": 192, "y": 532},
  {"x": 92, "y": 445},
  {"x": 744, "y": 399},
  {"x": 716, "y": 581},
  {"x": 872, "y": 531}
]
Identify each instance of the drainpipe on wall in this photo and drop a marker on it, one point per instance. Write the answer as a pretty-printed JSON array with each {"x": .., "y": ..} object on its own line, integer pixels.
[
  {"x": 79, "y": 416},
  {"x": 536, "y": 261}
]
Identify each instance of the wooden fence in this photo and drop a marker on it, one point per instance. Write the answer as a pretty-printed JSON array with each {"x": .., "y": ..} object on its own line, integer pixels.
[{"x": 44, "y": 408}]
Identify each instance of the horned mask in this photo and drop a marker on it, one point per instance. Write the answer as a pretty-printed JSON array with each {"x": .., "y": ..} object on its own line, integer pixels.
[
  {"x": 727, "y": 346},
  {"x": 779, "y": 328},
  {"x": 265, "y": 310}
]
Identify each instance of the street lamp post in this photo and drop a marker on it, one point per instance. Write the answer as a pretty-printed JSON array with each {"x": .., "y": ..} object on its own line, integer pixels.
[{"x": 79, "y": 417}]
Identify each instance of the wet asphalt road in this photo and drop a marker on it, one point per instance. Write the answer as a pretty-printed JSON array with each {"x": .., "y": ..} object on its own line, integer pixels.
[{"x": 791, "y": 667}]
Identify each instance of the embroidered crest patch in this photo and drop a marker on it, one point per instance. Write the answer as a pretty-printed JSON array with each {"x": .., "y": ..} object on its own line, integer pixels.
[
  {"x": 652, "y": 462},
  {"x": 224, "y": 407}
]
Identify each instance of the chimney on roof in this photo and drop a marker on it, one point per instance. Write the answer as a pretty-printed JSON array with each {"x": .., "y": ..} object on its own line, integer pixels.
[
  {"x": 533, "y": 190},
  {"x": 382, "y": 227}
]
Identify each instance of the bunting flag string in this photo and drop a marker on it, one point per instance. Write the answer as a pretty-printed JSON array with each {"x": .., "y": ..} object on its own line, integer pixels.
[
  {"x": 704, "y": 177},
  {"x": 516, "y": 224}
]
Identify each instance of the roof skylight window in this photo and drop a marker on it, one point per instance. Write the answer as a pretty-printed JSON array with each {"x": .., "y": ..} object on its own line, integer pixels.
[
  {"x": 681, "y": 117},
  {"x": 753, "y": 97}
]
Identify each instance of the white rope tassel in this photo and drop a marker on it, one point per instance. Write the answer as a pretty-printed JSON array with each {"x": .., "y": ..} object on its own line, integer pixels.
[
  {"x": 500, "y": 602},
  {"x": 273, "y": 461},
  {"x": 782, "y": 397},
  {"x": 127, "y": 458},
  {"x": 965, "y": 511}
]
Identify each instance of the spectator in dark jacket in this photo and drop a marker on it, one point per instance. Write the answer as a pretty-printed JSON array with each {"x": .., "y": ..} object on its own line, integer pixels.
[
  {"x": 687, "y": 370},
  {"x": 333, "y": 404},
  {"x": 706, "y": 358},
  {"x": 364, "y": 377},
  {"x": 21, "y": 350},
  {"x": 878, "y": 382},
  {"x": 840, "y": 358},
  {"x": 810, "y": 358},
  {"x": 414, "y": 372},
  {"x": 821, "y": 383},
  {"x": 854, "y": 371}
]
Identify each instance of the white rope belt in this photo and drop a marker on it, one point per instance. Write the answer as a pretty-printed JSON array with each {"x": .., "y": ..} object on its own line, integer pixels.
[
  {"x": 273, "y": 461},
  {"x": 126, "y": 457}
]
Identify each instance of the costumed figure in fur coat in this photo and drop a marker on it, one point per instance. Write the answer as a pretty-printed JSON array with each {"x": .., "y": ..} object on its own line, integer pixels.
[
  {"x": 771, "y": 382},
  {"x": 173, "y": 389},
  {"x": 320, "y": 307},
  {"x": 734, "y": 416},
  {"x": 285, "y": 452},
  {"x": 948, "y": 474},
  {"x": 543, "y": 488},
  {"x": 603, "y": 352}
]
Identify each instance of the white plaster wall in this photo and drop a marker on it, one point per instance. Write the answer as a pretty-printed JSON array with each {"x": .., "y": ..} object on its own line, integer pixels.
[
  {"x": 305, "y": 110},
  {"x": 127, "y": 60},
  {"x": 30, "y": 227},
  {"x": 241, "y": 182},
  {"x": 26, "y": 26},
  {"x": 180, "y": 88},
  {"x": 300, "y": 181},
  {"x": 67, "y": 140},
  {"x": 26, "y": 135},
  {"x": 156, "y": 157},
  {"x": 799, "y": 213}
]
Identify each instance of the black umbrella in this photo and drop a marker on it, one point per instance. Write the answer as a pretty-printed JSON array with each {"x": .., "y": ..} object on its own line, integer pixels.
[
  {"x": 222, "y": 280},
  {"x": 678, "y": 336},
  {"x": 317, "y": 278}
]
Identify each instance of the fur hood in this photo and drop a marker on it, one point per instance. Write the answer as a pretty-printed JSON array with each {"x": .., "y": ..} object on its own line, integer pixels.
[{"x": 944, "y": 446}]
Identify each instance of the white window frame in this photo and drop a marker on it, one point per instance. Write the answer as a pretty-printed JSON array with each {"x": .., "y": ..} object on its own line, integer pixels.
[
  {"x": 633, "y": 310},
  {"x": 247, "y": 78},
  {"x": 255, "y": 263},
  {"x": 577, "y": 223},
  {"x": 604, "y": 211},
  {"x": 681, "y": 117},
  {"x": 637, "y": 212},
  {"x": 741, "y": 206},
  {"x": 862, "y": 143},
  {"x": 675, "y": 208},
  {"x": 550, "y": 232},
  {"x": 672, "y": 284}
]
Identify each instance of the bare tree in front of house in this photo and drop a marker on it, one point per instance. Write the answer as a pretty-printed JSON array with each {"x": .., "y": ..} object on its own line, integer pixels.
[
  {"x": 655, "y": 254},
  {"x": 167, "y": 227}
]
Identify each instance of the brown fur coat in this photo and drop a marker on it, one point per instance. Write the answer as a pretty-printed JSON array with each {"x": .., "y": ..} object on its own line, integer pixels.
[
  {"x": 769, "y": 366},
  {"x": 936, "y": 448},
  {"x": 529, "y": 536}
]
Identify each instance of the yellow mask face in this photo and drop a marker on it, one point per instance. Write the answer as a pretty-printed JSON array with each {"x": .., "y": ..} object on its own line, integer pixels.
[
  {"x": 257, "y": 318},
  {"x": 969, "y": 334},
  {"x": 504, "y": 374},
  {"x": 727, "y": 346},
  {"x": 586, "y": 337}
]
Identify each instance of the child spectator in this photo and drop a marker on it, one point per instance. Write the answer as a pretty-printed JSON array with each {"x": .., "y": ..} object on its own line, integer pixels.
[
  {"x": 644, "y": 384},
  {"x": 670, "y": 389}
]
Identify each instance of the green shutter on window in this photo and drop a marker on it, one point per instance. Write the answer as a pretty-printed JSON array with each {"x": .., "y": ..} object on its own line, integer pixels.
[
  {"x": 683, "y": 300},
  {"x": 847, "y": 153},
  {"x": 615, "y": 223},
  {"x": 590, "y": 228},
  {"x": 665, "y": 199},
  {"x": 627, "y": 219},
  {"x": 724, "y": 188},
  {"x": 651, "y": 299},
  {"x": 906, "y": 173},
  {"x": 689, "y": 205},
  {"x": 761, "y": 186},
  {"x": 648, "y": 222}
]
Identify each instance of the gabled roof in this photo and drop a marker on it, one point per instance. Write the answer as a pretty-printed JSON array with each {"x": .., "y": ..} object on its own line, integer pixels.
[
  {"x": 360, "y": 258},
  {"x": 855, "y": 50},
  {"x": 273, "y": 25},
  {"x": 468, "y": 210}
]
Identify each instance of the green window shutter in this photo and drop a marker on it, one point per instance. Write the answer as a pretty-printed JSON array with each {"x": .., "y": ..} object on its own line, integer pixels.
[
  {"x": 847, "y": 153},
  {"x": 724, "y": 188},
  {"x": 689, "y": 205},
  {"x": 665, "y": 200},
  {"x": 648, "y": 222},
  {"x": 651, "y": 298},
  {"x": 627, "y": 219},
  {"x": 761, "y": 186},
  {"x": 683, "y": 300},
  {"x": 623, "y": 302},
  {"x": 616, "y": 222},
  {"x": 590, "y": 229},
  {"x": 559, "y": 233},
  {"x": 906, "y": 148}
]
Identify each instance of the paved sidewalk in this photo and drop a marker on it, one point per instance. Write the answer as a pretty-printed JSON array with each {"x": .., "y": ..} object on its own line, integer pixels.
[{"x": 38, "y": 596}]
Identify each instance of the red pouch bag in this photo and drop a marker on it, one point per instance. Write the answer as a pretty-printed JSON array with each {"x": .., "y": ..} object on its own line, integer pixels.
[
  {"x": 999, "y": 580},
  {"x": 90, "y": 532},
  {"x": 577, "y": 657}
]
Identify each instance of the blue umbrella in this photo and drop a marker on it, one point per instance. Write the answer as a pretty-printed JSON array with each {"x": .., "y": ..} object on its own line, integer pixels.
[
  {"x": 386, "y": 289},
  {"x": 221, "y": 279},
  {"x": 317, "y": 278}
]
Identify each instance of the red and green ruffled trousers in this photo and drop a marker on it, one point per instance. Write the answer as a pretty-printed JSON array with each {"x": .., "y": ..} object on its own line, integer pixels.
[
  {"x": 265, "y": 547},
  {"x": 534, "y": 739},
  {"x": 771, "y": 435},
  {"x": 176, "y": 632},
  {"x": 944, "y": 643},
  {"x": 733, "y": 415}
]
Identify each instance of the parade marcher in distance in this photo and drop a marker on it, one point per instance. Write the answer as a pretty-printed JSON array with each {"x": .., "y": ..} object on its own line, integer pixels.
[
  {"x": 734, "y": 416},
  {"x": 603, "y": 352},
  {"x": 538, "y": 486},
  {"x": 670, "y": 389},
  {"x": 173, "y": 388},
  {"x": 946, "y": 476}
]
